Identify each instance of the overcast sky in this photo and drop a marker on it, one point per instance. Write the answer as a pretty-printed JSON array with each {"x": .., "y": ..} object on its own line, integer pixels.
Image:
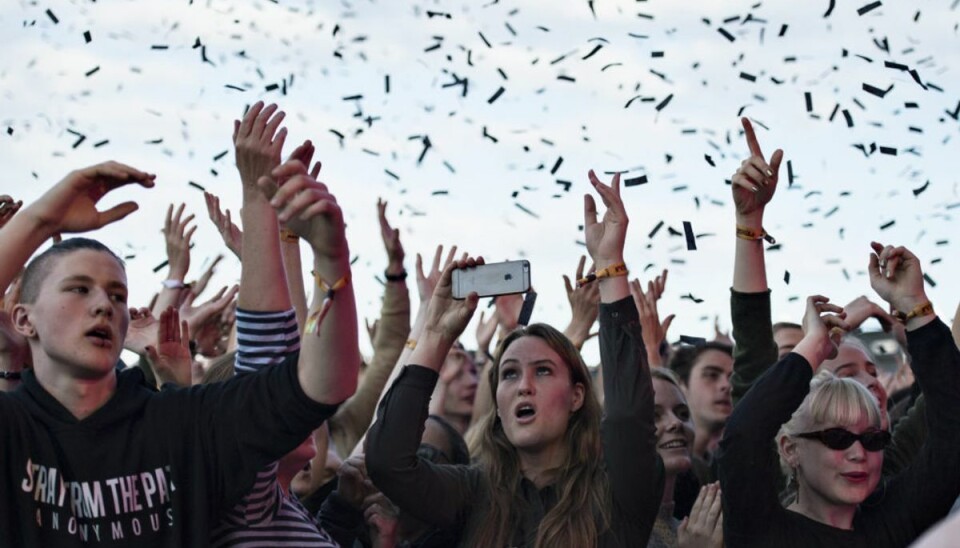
[{"x": 660, "y": 98}]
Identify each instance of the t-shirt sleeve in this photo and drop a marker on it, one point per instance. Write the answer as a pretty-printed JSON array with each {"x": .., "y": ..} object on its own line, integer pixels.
[{"x": 265, "y": 338}]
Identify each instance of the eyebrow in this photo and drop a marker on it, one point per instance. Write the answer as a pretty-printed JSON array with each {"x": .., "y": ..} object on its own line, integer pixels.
[
  {"x": 87, "y": 279},
  {"x": 713, "y": 369},
  {"x": 842, "y": 367},
  {"x": 534, "y": 362}
]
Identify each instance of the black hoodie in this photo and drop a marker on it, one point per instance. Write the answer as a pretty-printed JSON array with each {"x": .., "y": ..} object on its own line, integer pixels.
[{"x": 148, "y": 468}]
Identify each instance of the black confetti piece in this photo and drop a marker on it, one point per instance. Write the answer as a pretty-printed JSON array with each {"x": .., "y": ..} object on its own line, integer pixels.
[
  {"x": 709, "y": 160},
  {"x": 876, "y": 91},
  {"x": 495, "y": 96},
  {"x": 655, "y": 230},
  {"x": 86, "y": 37},
  {"x": 52, "y": 17},
  {"x": 595, "y": 49},
  {"x": 636, "y": 181},
  {"x": 888, "y": 224},
  {"x": 929, "y": 280},
  {"x": 868, "y": 8},
  {"x": 691, "y": 239},
  {"x": 221, "y": 155},
  {"x": 833, "y": 4},
  {"x": 786, "y": 277},
  {"x": 918, "y": 191},
  {"x": 808, "y": 98},
  {"x": 527, "y": 211},
  {"x": 748, "y": 77},
  {"x": 197, "y": 186},
  {"x": 726, "y": 34},
  {"x": 92, "y": 71},
  {"x": 790, "y": 175},
  {"x": 556, "y": 166},
  {"x": 690, "y": 297},
  {"x": 160, "y": 266}
]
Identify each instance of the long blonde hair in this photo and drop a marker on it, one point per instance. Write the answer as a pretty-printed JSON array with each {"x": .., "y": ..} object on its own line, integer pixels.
[{"x": 582, "y": 510}]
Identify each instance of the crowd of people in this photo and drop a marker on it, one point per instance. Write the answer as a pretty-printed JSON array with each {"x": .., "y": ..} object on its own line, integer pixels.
[{"x": 251, "y": 418}]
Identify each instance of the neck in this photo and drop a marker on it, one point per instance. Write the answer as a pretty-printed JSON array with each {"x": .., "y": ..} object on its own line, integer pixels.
[
  {"x": 285, "y": 473},
  {"x": 82, "y": 397},
  {"x": 815, "y": 508},
  {"x": 540, "y": 466},
  {"x": 669, "y": 481},
  {"x": 707, "y": 439}
]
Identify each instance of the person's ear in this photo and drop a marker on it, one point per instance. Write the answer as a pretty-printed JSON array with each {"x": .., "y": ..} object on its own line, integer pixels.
[
  {"x": 789, "y": 451},
  {"x": 579, "y": 391},
  {"x": 21, "y": 320}
]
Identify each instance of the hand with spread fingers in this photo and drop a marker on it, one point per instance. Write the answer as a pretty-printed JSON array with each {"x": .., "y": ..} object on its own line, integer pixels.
[
  {"x": 427, "y": 282},
  {"x": 229, "y": 231},
  {"x": 605, "y": 238},
  {"x": 177, "y": 233},
  {"x": 170, "y": 358},
  {"x": 307, "y": 208},
  {"x": 703, "y": 528},
  {"x": 755, "y": 181},
  {"x": 199, "y": 316},
  {"x": 823, "y": 326},
  {"x": 258, "y": 141},
  {"x": 201, "y": 283},
  {"x": 584, "y": 305},
  {"x": 654, "y": 331}
]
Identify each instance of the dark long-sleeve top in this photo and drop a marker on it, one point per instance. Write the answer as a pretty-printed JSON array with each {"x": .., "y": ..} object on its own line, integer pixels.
[
  {"x": 756, "y": 351},
  {"x": 456, "y": 497},
  {"x": 910, "y": 502}
]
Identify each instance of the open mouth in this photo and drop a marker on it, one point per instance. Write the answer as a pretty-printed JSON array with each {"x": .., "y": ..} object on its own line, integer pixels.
[
  {"x": 856, "y": 477},
  {"x": 525, "y": 413},
  {"x": 100, "y": 336}
]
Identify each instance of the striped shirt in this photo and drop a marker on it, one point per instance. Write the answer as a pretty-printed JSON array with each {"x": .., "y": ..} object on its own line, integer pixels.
[{"x": 267, "y": 517}]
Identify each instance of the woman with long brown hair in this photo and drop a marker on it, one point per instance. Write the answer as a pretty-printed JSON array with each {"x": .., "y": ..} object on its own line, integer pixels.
[{"x": 554, "y": 467}]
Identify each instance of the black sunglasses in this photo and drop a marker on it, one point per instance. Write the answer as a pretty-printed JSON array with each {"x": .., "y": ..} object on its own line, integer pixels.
[{"x": 840, "y": 439}]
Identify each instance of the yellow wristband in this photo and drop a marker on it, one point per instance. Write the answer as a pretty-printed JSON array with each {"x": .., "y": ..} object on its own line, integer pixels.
[
  {"x": 745, "y": 233},
  {"x": 288, "y": 236},
  {"x": 612, "y": 271},
  {"x": 922, "y": 309},
  {"x": 411, "y": 344}
]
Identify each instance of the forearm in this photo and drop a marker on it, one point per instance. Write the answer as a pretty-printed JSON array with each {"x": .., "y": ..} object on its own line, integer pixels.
[
  {"x": 578, "y": 333},
  {"x": 168, "y": 296},
  {"x": 749, "y": 266},
  {"x": 263, "y": 284},
  {"x": 293, "y": 269},
  {"x": 755, "y": 350},
  {"x": 330, "y": 357},
  {"x": 955, "y": 326}
]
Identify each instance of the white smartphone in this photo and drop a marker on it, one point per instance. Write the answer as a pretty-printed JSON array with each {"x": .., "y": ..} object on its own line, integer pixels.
[{"x": 492, "y": 279}]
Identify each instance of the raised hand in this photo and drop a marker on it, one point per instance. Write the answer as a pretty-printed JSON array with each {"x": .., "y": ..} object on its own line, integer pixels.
[
  {"x": 584, "y": 306},
  {"x": 8, "y": 208},
  {"x": 703, "y": 528},
  {"x": 307, "y": 208},
  {"x": 427, "y": 282},
  {"x": 198, "y": 316},
  {"x": 142, "y": 331},
  {"x": 170, "y": 358},
  {"x": 447, "y": 317},
  {"x": 354, "y": 485},
  {"x": 823, "y": 326},
  {"x": 486, "y": 329},
  {"x": 71, "y": 205},
  {"x": 755, "y": 180},
  {"x": 896, "y": 276},
  {"x": 861, "y": 309},
  {"x": 391, "y": 240},
  {"x": 230, "y": 233},
  {"x": 605, "y": 239},
  {"x": 653, "y": 330},
  {"x": 383, "y": 519},
  {"x": 177, "y": 234},
  {"x": 258, "y": 141}
]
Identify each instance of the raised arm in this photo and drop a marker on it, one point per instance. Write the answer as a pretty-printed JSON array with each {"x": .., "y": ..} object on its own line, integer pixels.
[
  {"x": 925, "y": 490},
  {"x": 330, "y": 352},
  {"x": 583, "y": 306},
  {"x": 434, "y": 493},
  {"x": 753, "y": 186},
  {"x": 627, "y": 429},
  {"x": 70, "y": 206},
  {"x": 354, "y": 416},
  {"x": 177, "y": 233}
]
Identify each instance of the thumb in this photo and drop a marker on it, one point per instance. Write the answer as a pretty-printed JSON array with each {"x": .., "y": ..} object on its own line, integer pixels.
[
  {"x": 665, "y": 326},
  {"x": 682, "y": 528},
  {"x": 152, "y": 355},
  {"x": 117, "y": 212},
  {"x": 268, "y": 186}
]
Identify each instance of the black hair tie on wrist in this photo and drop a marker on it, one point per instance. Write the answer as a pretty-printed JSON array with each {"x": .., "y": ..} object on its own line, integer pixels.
[
  {"x": 10, "y": 375},
  {"x": 395, "y": 277}
]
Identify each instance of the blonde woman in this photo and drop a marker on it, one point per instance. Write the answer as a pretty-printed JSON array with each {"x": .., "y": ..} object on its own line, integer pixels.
[{"x": 831, "y": 438}]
